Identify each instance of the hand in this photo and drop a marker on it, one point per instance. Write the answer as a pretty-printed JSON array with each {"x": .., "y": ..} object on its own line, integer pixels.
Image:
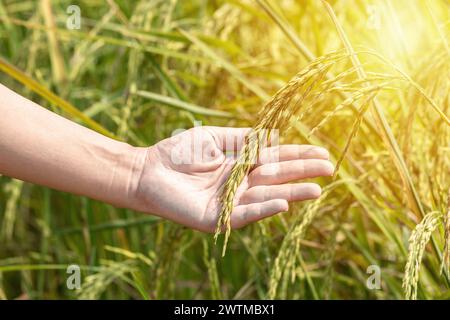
[
  {"x": 182, "y": 177},
  {"x": 179, "y": 178}
]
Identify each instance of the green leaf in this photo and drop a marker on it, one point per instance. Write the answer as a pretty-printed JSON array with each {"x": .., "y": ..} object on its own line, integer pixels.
[{"x": 182, "y": 104}]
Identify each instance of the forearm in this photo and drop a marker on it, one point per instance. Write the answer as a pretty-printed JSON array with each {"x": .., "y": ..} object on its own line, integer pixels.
[{"x": 41, "y": 147}]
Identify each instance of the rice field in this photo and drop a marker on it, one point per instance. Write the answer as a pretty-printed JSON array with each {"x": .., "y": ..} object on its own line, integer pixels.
[{"x": 368, "y": 80}]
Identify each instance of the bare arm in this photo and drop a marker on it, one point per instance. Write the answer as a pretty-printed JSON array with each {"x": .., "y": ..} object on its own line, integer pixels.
[{"x": 41, "y": 147}]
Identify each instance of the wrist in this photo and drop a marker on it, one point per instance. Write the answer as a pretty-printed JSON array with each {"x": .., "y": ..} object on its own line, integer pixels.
[{"x": 125, "y": 174}]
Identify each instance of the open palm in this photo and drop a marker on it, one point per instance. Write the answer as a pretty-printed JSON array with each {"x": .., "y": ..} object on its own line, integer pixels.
[{"x": 183, "y": 176}]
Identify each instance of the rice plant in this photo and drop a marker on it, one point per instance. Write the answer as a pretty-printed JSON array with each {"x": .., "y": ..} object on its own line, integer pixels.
[
  {"x": 417, "y": 243},
  {"x": 367, "y": 80}
]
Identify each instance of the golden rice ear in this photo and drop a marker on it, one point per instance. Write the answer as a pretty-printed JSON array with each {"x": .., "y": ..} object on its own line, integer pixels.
[
  {"x": 412, "y": 195},
  {"x": 275, "y": 114},
  {"x": 285, "y": 263},
  {"x": 417, "y": 244},
  {"x": 445, "y": 265},
  {"x": 297, "y": 95}
]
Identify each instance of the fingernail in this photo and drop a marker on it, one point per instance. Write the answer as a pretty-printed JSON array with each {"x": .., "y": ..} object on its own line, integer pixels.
[
  {"x": 323, "y": 153},
  {"x": 330, "y": 168},
  {"x": 285, "y": 206},
  {"x": 315, "y": 190}
]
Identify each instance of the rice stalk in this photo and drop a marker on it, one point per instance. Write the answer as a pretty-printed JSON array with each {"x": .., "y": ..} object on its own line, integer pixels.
[
  {"x": 146, "y": 259},
  {"x": 72, "y": 35},
  {"x": 383, "y": 125},
  {"x": 303, "y": 268},
  {"x": 14, "y": 191},
  {"x": 364, "y": 106},
  {"x": 445, "y": 265},
  {"x": 170, "y": 253},
  {"x": 381, "y": 120},
  {"x": 2, "y": 291},
  {"x": 180, "y": 104},
  {"x": 328, "y": 86},
  {"x": 347, "y": 102},
  {"x": 56, "y": 58},
  {"x": 95, "y": 284},
  {"x": 225, "y": 64},
  {"x": 110, "y": 225},
  {"x": 64, "y": 105},
  {"x": 417, "y": 86},
  {"x": 438, "y": 27},
  {"x": 213, "y": 275},
  {"x": 329, "y": 255},
  {"x": 376, "y": 203},
  {"x": 417, "y": 243},
  {"x": 275, "y": 114},
  {"x": 284, "y": 264},
  {"x": 304, "y": 50}
]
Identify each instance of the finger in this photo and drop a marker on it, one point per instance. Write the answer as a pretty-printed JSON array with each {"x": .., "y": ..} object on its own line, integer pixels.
[
  {"x": 288, "y": 192},
  {"x": 245, "y": 214},
  {"x": 291, "y": 152},
  {"x": 228, "y": 138},
  {"x": 286, "y": 171}
]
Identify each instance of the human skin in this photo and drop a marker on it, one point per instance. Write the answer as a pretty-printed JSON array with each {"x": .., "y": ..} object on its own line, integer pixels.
[{"x": 43, "y": 148}]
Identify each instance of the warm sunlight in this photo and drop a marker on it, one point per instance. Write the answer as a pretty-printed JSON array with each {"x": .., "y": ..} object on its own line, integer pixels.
[
  {"x": 243, "y": 150},
  {"x": 403, "y": 28}
]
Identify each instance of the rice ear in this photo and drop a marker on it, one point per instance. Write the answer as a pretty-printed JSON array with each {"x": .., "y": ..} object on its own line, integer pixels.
[
  {"x": 445, "y": 265},
  {"x": 275, "y": 114},
  {"x": 417, "y": 244}
]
